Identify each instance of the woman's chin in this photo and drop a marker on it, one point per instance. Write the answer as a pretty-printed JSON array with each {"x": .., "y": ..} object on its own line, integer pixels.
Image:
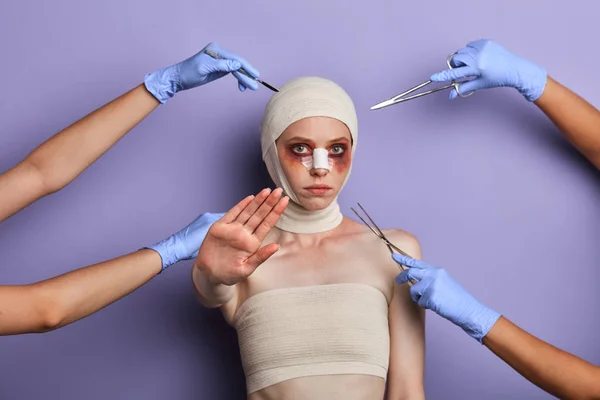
[{"x": 316, "y": 203}]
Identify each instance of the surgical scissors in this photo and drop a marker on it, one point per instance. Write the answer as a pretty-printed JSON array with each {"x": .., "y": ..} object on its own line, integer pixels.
[
  {"x": 375, "y": 229},
  {"x": 400, "y": 97},
  {"x": 243, "y": 72}
]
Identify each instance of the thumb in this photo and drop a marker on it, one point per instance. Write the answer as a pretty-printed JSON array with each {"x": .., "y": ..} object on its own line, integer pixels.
[
  {"x": 227, "y": 65},
  {"x": 455, "y": 73},
  {"x": 260, "y": 257}
]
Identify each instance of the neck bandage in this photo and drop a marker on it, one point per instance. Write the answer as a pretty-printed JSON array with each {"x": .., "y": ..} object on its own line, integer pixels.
[{"x": 302, "y": 98}]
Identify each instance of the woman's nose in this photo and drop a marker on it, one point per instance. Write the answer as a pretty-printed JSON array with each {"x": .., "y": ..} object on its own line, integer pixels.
[{"x": 319, "y": 172}]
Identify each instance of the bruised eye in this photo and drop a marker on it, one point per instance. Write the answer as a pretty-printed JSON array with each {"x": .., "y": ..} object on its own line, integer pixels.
[
  {"x": 338, "y": 149},
  {"x": 300, "y": 149}
]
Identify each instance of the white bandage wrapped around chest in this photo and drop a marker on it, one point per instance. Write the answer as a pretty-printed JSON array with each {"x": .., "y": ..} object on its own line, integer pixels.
[{"x": 305, "y": 331}]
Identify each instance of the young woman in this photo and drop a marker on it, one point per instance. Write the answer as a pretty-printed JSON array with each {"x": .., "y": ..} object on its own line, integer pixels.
[{"x": 321, "y": 318}]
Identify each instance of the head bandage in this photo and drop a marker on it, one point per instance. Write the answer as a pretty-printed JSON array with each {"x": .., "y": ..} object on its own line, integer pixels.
[
  {"x": 302, "y": 98},
  {"x": 318, "y": 160}
]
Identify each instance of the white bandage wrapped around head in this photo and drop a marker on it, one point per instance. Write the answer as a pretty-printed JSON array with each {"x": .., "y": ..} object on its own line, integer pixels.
[{"x": 302, "y": 98}]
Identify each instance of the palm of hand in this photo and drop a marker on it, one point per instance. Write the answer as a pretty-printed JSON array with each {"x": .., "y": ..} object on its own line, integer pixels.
[
  {"x": 228, "y": 248},
  {"x": 232, "y": 248}
]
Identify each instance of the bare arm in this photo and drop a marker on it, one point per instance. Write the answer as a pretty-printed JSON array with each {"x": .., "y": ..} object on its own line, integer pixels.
[
  {"x": 491, "y": 66},
  {"x": 59, "y": 160},
  {"x": 407, "y": 335},
  {"x": 578, "y": 120},
  {"x": 64, "y": 156},
  {"x": 59, "y": 301},
  {"x": 211, "y": 294},
  {"x": 551, "y": 369}
]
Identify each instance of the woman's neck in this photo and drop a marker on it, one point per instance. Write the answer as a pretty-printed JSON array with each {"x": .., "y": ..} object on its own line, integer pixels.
[
  {"x": 297, "y": 219},
  {"x": 289, "y": 240}
]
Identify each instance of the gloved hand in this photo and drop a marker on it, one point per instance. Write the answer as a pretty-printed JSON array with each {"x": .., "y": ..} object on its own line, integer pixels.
[
  {"x": 184, "y": 245},
  {"x": 199, "y": 70},
  {"x": 437, "y": 291},
  {"x": 494, "y": 66}
]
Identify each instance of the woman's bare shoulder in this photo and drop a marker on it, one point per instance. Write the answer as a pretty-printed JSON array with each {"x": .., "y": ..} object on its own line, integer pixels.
[{"x": 405, "y": 240}]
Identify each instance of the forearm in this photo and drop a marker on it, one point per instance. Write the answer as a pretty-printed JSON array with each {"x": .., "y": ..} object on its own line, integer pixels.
[
  {"x": 407, "y": 366},
  {"x": 59, "y": 301},
  {"x": 209, "y": 293},
  {"x": 407, "y": 350},
  {"x": 68, "y": 153},
  {"x": 19, "y": 187},
  {"x": 553, "y": 370},
  {"x": 578, "y": 120}
]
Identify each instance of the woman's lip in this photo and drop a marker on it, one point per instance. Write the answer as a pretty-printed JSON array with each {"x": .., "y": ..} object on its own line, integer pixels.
[
  {"x": 317, "y": 187},
  {"x": 318, "y": 190}
]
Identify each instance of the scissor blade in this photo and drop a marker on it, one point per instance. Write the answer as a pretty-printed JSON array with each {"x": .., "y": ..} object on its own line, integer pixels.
[
  {"x": 400, "y": 97},
  {"x": 367, "y": 224},
  {"x": 372, "y": 222},
  {"x": 383, "y": 104}
]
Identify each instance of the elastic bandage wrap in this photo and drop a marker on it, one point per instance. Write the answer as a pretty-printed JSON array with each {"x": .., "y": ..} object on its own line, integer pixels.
[{"x": 302, "y": 98}]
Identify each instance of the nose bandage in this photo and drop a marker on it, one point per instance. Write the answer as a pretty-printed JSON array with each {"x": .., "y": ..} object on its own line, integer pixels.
[{"x": 318, "y": 160}]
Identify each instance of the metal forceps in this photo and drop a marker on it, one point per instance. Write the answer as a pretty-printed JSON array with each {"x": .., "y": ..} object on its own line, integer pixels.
[
  {"x": 375, "y": 229},
  {"x": 243, "y": 72},
  {"x": 401, "y": 97}
]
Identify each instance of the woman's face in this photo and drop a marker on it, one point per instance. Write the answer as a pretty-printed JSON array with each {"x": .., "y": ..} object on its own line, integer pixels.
[{"x": 315, "y": 188}]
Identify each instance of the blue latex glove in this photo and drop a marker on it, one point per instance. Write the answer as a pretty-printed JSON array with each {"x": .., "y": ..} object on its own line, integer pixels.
[
  {"x": 184, "y": 245},
  {"x": 437, "y": 291},
  {"x": 198, "y": 70},
  {"x": 493, "y": 66}
]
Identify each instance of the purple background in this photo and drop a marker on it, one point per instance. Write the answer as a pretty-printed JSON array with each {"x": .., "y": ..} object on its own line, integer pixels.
[{"x": 487, "y": 184}]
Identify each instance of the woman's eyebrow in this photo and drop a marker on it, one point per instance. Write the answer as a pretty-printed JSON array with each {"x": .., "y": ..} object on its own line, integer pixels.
[
  {"x": 307, "y": 140},
  {"x": 340, "y": 139},
  {"x": 301, "y": 139}
]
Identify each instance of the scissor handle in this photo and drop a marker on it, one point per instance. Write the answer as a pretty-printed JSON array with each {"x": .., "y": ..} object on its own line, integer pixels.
[
  {"x": 449, "y": 60},
  {"x": 455, "y": 84},
  {"x": 410, "y": 282}
]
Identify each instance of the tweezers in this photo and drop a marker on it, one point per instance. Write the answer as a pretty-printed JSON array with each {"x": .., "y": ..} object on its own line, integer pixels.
[
  {"x": 243, "y": 72},
  {"x": 375, "y": 229},
  {"x": 399, "y": 98}
]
